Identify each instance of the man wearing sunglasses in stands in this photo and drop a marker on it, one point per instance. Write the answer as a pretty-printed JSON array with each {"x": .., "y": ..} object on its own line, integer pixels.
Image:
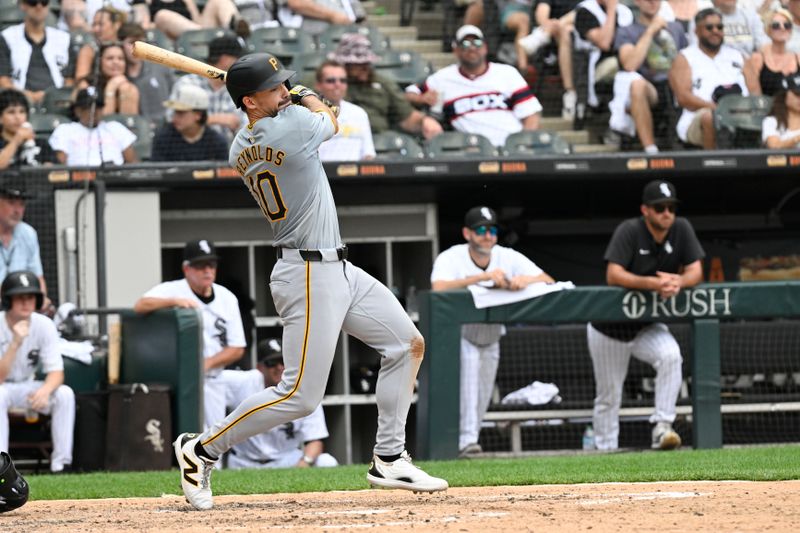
[
  {"x": 703, "y": 73},
  {"x": 656, "y": 252},
  {"x": 35, "y": 57},
  {"x": 480, "y": 261},
  {"x": 744, "y": 29}
]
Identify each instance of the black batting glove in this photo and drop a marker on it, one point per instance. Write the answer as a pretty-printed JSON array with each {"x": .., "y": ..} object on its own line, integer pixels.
[{"x": 298, "y": 92}]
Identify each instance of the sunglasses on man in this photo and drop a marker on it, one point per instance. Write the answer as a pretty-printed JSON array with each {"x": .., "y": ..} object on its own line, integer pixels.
[
  {"x": 712, "y": 27},
  {"x": 481, "y": 230},
  {"x": 659, "y": 208},
  {"x": 331, "y": 81},
  {"x": 34, "y": 3},
  {"x": 469, "y": 43}
]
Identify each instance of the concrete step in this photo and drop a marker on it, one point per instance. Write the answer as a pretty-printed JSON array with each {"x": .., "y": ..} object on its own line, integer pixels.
[
  {"x": 593, "y": 149},
  {"x": 555, "y": 124},
  {"x": 398, "y": 33},
  {"x": 421, "y": 47},
  {"x": 384, "y": 21},
  {"x": 575, "y": 137}
]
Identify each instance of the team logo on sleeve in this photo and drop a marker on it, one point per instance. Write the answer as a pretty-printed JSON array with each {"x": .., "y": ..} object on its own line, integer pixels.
[{"x": 33, "y": 358}]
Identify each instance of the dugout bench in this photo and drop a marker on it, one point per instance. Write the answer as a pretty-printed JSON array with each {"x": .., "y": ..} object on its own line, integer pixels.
[{"x": 708, "y": 315}]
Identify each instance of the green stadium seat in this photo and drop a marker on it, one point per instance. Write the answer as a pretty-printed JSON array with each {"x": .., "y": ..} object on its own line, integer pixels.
[
  {"x": 737, "y": 120},
  {"x": 404, "y": 67},
  {"x": 140, "y": 126},
  {"x": 158, "y": 38},
  {"x": 194, "y": 43},
  {"x": 57, "y": 100},
  {"x": 459, "y": 144},
  {"x": 329, "y": 39},
  {"x": 43, "y": 124},
  {"x": 396, "y": 145},
  {"x": 78, "y": 38},
  {"x": 280, "y": 41},
  {"x": 535, "y": 142}
]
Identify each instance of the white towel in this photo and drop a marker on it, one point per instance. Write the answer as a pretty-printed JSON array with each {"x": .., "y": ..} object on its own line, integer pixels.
[
  {"x": 537, "y": 393},
  {"x": 485, "y": 297},
  {"x": 80, "y": 351}
]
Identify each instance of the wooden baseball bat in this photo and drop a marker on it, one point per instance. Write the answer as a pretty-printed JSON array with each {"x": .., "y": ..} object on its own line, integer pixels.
[{"x": 156, "y": 54}]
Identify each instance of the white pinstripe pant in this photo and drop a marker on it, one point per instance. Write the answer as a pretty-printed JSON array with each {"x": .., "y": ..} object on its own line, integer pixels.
[
  {"x": 478, "y": 372},
  {"x": 654, "y": 345}
]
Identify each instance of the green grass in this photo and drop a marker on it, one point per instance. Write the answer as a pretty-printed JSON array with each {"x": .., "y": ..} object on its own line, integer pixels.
[{"x": 754, "y": 464}]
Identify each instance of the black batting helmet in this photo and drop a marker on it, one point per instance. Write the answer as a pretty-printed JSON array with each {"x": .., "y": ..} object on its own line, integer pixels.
[
  {"x": 13, "y": 487},
  {"x": 254, "y": 72},
  {"x": 21, "y": 282}
]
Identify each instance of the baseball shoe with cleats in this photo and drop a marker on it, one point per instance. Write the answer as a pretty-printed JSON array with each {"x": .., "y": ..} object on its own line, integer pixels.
[
  {"x": 402, "y": 474},
  {"x": 664, "y": 437},
  {"x": 195, "y": 472}
]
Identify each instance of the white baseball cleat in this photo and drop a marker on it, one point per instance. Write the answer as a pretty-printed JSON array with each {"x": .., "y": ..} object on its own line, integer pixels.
[
  {"x": 664, "y": 437},
  {"x": 402, "y": 474},
  {"x": 195, "y": 472}
]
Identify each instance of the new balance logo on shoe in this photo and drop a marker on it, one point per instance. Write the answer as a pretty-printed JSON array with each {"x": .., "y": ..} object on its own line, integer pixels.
[{"x": 191, "y": 469}]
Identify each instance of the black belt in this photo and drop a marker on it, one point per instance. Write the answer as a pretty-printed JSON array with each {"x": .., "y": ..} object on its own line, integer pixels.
[
  {"x": 315, "y": 255},
  {"x": 259, "y": 461}
]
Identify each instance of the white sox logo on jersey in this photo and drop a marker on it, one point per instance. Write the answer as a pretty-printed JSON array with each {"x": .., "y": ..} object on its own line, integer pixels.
[
  {"x": 691, "y": 302},
  {"x": 475, "y": 102}
]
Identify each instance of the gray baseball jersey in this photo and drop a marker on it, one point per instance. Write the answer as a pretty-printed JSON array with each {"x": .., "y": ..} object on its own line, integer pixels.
[{"x": 317, "y": 295}]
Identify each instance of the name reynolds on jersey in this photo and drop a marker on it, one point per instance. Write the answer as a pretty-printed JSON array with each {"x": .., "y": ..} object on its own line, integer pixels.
[{"x": 256, "y": 153}]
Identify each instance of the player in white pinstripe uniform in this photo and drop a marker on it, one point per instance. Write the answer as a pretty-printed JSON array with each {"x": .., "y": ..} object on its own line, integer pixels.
[
  {"x": 655, "y": 252},
  {"x": 480, "y": 261}
]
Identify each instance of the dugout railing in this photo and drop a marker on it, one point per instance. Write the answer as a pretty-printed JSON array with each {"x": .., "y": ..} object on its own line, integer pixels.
[{"x": 707, "y": 309}]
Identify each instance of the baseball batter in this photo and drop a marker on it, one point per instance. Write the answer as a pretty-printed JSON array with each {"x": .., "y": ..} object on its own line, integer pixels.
[
  {"x": 28, "y": 339},
  {"x": 655, "y": 252},
  {"x": 480, "y": 261},
  {"x": 317, "y": 293}
]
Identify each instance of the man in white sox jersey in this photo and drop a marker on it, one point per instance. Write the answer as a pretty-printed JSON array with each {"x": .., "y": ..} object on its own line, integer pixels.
[
  {"x": 295, "y": 443},
  {"x": 480, "y": 261},
  {"x": 476, "y": 96},
  {"x": 317, "y": 293},
  {"x": 29, "y": 340},
  {"x": 655, "y": 252},
  {"x": 223, "y": 335}
]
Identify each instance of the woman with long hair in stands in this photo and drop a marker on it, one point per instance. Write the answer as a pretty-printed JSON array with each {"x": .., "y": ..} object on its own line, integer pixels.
[
  {"x": 105, "y": 25},
  {"x": 765, "y": 70},
  {"x": 121, "y": 96},
  {"x": 781, "y": 129}
]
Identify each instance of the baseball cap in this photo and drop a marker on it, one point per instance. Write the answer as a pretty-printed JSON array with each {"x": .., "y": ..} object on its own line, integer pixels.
[
  {"x": 12, "y": 188},
  {"x": 791, "y": 83},
  {"x": 188, "y": 98},
  {"x": 87, "y": 96},
  {"x": 229, "y": 45},
  {"x": 269, "y": 352},
  {"x": 199, "y": 250},
  {"x": 354, "y": 48},
  {"x": 480, "y": 216},
  {"x": 659, "y": 192},
  {"x": 468, "y": 30}
]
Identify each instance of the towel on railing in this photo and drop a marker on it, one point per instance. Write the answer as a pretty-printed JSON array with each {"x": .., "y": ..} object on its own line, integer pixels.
[{"x": 489, "y": 297}]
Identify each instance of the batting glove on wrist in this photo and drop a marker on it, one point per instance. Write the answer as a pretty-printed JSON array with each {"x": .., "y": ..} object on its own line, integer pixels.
[
  {"x": 298, "y": 92},
  {"x": 333, "y": 107}
]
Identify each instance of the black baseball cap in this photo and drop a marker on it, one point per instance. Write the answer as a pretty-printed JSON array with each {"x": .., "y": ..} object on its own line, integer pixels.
[
  {"x": 87, "y": 96},
  {"x": 199, "y": 250},
  {"x": 269, "y": 352},
  {"x": 13, "y": 188},
  {"x": 229, "y": 45},
  {"x": 480, "y": 216},
  {"x": 659, "y": 192}
]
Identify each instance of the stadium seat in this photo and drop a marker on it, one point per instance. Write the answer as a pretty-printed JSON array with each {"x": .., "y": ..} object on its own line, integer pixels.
[
  {"x": 737, "y": 120},
  {"x": 43, "y": 124},
  {"x": 194, "y": 43},
  {"x": 404, "y": 67},
  {"x": 305, "y": 65},
  {"x": 329, "y": 39},
  {"x": 140, "y": 126},
  {"x": 280, "y": 41},
  {"x": 57, "y": 100},
  {"x": 535, "y": 142},
  {"x": 78, "y": 38},
  {"x": 456, "y": 143},
  {"x": 158, "y": 38},
  {"x": 396, "y": 145}
]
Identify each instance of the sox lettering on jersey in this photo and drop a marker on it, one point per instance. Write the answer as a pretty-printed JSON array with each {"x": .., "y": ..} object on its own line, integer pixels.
[
  {"x": 476, "y": 102},
  {"x": 690, "y": 302}
]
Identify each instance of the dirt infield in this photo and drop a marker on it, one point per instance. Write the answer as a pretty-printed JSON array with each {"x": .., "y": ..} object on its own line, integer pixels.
[{"x": 688, "y": 506}]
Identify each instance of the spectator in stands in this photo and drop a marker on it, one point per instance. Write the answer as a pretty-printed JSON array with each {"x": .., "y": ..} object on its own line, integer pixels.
[
  {"x": 186, "y": 137},
  {"x": 481, "y": 261},
  {"x": 223, "y": 336},
  {"x": 379, "y": 96},
  {"x": 79, "y": 15},
  {"x": 154, "y": 81},
  {"x": 744, "y": 29},
  {"x": 647, "y": 49},
  {"x": 19, "y": 242},
  {"x": 473, "y": 14},
  {"x": 766, "y": 68},
  {"x": 222, "y": 113},
  {"x": 173, "y": 17},
  {"x": 515, "y": 18},
  {"x": 476, "y": 96},
  {"x": 781, "y": 129},
  {"x": 595, "y": 30},
  {"x": 105, "y": 26},
  {"x": 700, "y": 75},
  {"x": 655, "y": 252},
  {"x": 294, "y": 444},
  {"x": 18, "y": 144},
  {"x": 793, "y": 45},
  {"x": 35, "y": 57},
  {"x": 353, "y": 142},
  {"x": 89, "y": 141},
  {"x": 555, "y": 19},
  {"x": 683, "y": 11},
  {"x": 319, "y": 15},
  {"x": 120, "y": 95},
  {"x": 30, "y": 339}
]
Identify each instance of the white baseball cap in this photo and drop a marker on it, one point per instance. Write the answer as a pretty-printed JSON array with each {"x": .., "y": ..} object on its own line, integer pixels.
[
  {"x": 188, "y": 98},
  {"x": 468, "y": 30}
]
